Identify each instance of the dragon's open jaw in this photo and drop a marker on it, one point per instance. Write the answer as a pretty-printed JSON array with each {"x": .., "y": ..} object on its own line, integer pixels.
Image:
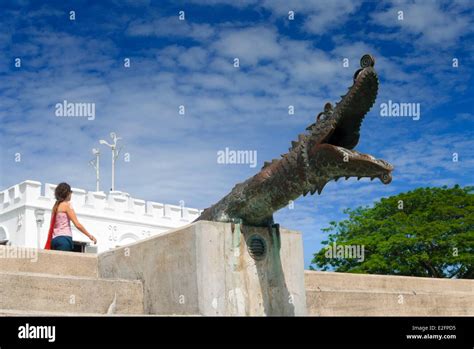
[
  {"x": 351, "y": 163},
  {"x": 344, "y": 122}
]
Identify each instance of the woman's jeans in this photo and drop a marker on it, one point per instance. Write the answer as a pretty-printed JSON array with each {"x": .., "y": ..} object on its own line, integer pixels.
[{"x": 62, "y": 243}]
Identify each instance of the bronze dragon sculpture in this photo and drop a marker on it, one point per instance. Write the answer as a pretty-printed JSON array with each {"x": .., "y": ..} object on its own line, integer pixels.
[{"x": 322, "y": 154}]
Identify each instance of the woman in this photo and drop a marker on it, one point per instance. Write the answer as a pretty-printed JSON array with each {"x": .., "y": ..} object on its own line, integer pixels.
[{"x": 60, "y": 234}]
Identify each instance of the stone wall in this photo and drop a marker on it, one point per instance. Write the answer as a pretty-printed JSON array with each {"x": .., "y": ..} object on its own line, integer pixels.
[
  {"x": 346, "y": 294},
  {"x": 207, "y": 268}
]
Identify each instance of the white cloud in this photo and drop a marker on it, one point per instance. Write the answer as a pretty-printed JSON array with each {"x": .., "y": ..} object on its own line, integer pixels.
[
  {"x": 319, "y": 16},
  {"x": 233, "y": 3},
  {"x": 170, "y": 27},
  {"x": 429, "y": 22},
  {"x": 428, "y": 160},
  {"x": 250, "y": 45},
  {"x": 194, "y": 58}
]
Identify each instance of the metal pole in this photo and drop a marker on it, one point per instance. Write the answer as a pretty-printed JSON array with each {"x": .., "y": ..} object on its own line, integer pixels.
[
  {"x": 114, "y": 155},
  {"x": 113, "y": 167},
  {"x": 97, "y": 173}
]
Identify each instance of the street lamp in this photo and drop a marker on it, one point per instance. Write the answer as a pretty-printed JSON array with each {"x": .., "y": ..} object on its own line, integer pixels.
[
  {"x": 95, "y": 163},
  {"x": 115, "y": 154},
  {"x": 39, "y": 214}
]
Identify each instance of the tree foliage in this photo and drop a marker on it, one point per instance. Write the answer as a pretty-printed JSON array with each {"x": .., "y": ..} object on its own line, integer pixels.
[{"x": 425, "y": 232}]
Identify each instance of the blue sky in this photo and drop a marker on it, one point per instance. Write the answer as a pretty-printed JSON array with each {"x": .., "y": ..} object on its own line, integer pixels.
[{"x": 190, "y": 63}]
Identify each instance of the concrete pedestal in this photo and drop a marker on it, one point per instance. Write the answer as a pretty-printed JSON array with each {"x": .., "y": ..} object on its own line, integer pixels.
[{"x": 210, "y": 268}]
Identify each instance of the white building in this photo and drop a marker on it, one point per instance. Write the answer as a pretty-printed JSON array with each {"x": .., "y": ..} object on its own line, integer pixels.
[{"x": 114, "y": 219}]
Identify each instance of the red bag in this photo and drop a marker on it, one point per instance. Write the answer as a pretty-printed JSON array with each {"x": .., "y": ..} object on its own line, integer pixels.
[{"x": 50, "y": 233}]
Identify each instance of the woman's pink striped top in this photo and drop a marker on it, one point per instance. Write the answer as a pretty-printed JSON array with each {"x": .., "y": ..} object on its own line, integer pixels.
[{"x": 62, "y": 226}]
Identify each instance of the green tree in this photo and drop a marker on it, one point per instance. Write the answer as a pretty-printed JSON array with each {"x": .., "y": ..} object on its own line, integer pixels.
[{"x": 425, "y": 232}]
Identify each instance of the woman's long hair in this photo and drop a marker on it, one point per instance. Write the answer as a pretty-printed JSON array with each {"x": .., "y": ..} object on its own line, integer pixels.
[{"x": 61, "y": 193}]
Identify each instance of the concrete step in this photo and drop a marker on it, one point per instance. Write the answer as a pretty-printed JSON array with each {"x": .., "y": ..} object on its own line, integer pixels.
[
  {"x": 35, "y": 292},
  {"x": 331, "y": 281},
  {"x": 376, "y": 303},
  {"x": 13, "y": 258},
  {"x": 30, "y": 313}
]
